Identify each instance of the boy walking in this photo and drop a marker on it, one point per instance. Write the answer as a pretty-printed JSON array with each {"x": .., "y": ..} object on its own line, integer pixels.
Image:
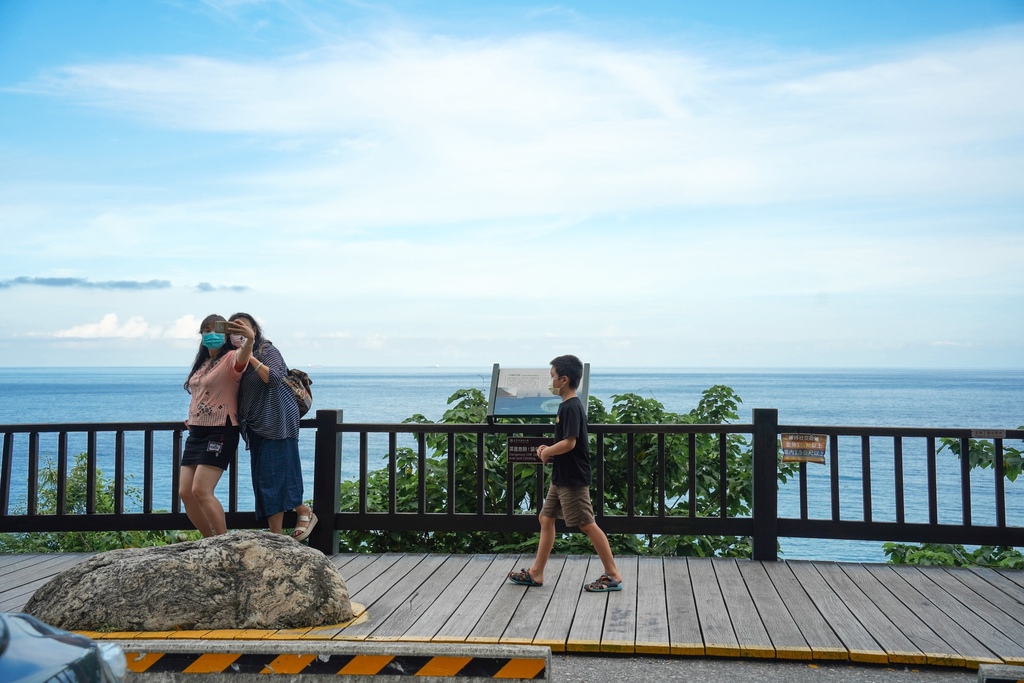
[{"x": 569, "y": 494}]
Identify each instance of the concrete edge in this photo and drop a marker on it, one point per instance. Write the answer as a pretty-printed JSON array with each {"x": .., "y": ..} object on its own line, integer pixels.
[
  {"x": 341, "y": 647},
  {"x": 999, "y": 673}
]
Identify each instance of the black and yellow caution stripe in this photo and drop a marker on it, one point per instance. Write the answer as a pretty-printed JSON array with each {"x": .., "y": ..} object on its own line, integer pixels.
[{"x": 523, "y": 668}]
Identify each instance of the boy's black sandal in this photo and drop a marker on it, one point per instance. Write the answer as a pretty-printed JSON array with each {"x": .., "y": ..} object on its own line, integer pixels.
[
  {"x": 604, "y": 584},
  {"x": 523, "y": 578}
]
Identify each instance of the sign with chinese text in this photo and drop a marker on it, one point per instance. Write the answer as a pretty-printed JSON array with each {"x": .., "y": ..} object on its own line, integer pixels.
[
  {"x": 804, "y": 448},
  {"x": 523, "y": 449}
]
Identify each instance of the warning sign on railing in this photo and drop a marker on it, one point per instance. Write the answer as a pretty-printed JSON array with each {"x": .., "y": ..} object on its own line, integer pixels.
[
  {"x": 804, "y": 448},
  {"x": 523, "y": 449}
]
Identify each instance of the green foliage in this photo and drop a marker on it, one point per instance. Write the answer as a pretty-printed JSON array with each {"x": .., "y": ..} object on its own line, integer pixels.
[
  {"x": 717, "y": 405},
  {"x": 982, "y": 454},
  {"x": 466, "y": 406},
  {"x": 75, "y": 503},
  {"x": 950, "y": 555}
]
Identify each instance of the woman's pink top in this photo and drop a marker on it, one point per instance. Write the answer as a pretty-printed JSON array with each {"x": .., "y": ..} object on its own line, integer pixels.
[{"x": 214, "y": 389}]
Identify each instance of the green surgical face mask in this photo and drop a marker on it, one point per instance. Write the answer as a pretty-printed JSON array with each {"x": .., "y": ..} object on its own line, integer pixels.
[{"x": 213, "y": 340}]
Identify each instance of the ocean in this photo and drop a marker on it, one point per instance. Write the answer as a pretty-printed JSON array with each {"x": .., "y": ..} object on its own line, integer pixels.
[{"x": 900, "y": 398}]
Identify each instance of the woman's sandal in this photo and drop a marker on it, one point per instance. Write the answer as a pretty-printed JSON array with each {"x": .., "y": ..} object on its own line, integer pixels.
[
  {"x": 301, "y": 532},
  {"x": 604, "y": 584}
]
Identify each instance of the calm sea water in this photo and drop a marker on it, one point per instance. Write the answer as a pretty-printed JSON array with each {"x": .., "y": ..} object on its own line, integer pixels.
[{"x": 903, "y": 398}]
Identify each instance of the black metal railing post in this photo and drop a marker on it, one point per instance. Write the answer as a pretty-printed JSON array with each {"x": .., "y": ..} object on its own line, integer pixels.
[
  {"x": 765, "y": 510},
  {"x": 326, "y": 478}
]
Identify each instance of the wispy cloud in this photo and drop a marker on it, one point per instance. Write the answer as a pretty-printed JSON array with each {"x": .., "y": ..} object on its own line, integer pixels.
[
  {"x": 84, "y": 283},
  {"x": 207, "y": 287},
  {"x": 128, "y": 285}
]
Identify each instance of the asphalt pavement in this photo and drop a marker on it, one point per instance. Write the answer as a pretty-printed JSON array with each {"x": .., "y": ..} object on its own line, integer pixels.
[{"x": 604, "y": 669}]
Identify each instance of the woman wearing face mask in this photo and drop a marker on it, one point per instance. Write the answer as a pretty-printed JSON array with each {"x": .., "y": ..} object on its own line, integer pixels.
[
  {"x": 270, "y": 425},
  {"x": 212, "y": 422}
]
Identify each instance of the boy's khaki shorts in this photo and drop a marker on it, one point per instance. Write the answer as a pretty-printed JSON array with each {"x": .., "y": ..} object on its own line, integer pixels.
[{"x": 571, "y": 503}]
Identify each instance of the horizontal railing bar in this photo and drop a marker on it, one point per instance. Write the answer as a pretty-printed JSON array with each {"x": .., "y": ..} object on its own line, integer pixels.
[
  {"x": 907, "y": 532},
  {"x": 153, "y": 521},
  {"x": 92, "y": 427},
  {"x": 921, "y": 432},
  {"x": 527, "y": 523},
  {"x": 538, "y": 429}
]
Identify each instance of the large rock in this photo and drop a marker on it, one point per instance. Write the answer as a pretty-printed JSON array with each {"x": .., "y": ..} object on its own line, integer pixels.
[{"x": 246, "y": 579}]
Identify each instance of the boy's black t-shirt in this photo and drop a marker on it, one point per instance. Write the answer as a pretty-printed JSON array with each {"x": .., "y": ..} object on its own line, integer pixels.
[{"x": 572, "y": 468}]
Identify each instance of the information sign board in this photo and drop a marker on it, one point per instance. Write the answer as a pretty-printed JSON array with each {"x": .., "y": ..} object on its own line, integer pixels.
[
  {"x": 525, "y": 392},
  {"x": 804, "y": 448}
]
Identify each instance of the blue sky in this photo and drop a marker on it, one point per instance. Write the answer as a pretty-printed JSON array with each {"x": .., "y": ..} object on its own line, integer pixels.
[{"x": 647, "y": 184}]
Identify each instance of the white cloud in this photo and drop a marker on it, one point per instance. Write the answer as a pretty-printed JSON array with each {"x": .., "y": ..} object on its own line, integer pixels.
[
  {"x": 111, "y": 328},
  {"x": 136, "y": 327},
  {"x": 185, "y": 327},
  {"x": 544, "y": 124}
]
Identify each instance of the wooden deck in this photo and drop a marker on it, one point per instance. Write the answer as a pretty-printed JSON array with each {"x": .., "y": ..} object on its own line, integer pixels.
[{"x": 669, "y": 607}]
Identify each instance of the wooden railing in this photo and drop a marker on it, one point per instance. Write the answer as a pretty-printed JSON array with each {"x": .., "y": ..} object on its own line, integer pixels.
[{"x": 820, "y": 504}]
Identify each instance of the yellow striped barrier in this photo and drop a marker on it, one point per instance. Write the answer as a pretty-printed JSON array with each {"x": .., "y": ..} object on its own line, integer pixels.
[{"x": 174, "y": 660}]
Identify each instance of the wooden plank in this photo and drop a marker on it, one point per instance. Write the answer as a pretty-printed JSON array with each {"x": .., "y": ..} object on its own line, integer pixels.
[
  {"x": 505, "y": 599},
  {"x": 522, "y": 628},
  {"x": 963, "y": 644},
  {"x": 553, "y": 630},
  {"x": 1000, "y": 632},
  {"x": 683, "y": 623},
  {"x": 1003, "y": 613},
  {"x": 1011, "y": 583},
  {"x": 713, "y": 614},
  {"x": 330, "y": 631},
  {"x": 751, "y": 634},
  {"x": 382, "y": 570},
  {"x": 786, "y": 638},
  {"x": 421, "y": 588},
  {"x": 1014, "y": 575},
  {"x": 898, "y": 647},
  {"x": 374, "y": 566},
  {"x": 588, "y": 623},
  {"x": 362, "y": 570},
  {"x": 45, "y": 567},
  {"x": 1005, "y": 599},
  {"x": 15, "y": 599},
  {"x": 953, "y": 609},
  {"x": 652, "y": 634},
  {"x": 341, "y": 561},
  {"x": 1002, "y": 582},
  {"x": 391, "y": 590},
  {"x": 462, "y": 621},
  {"x": 935, "y": 650},
  {"x": 619, "y": 632},
  {"x": 815, "y": 629},
  {"x": 471, "y": 567},
  {"x": 21, "y": 584},
  {"x": 12, "y": 561},
  {"x": 859, "y": 643}
]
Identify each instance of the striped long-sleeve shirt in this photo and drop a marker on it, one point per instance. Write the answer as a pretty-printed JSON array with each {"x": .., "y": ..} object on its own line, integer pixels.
[{"x": 268, "y": 408}]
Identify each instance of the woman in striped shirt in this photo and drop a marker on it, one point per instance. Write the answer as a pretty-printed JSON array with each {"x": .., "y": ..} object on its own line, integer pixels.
[{"x": 269, "y": 417}]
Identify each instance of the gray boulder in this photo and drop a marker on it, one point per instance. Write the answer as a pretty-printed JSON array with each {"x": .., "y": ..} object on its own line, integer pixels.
[{"x": 245, "y": 579}]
